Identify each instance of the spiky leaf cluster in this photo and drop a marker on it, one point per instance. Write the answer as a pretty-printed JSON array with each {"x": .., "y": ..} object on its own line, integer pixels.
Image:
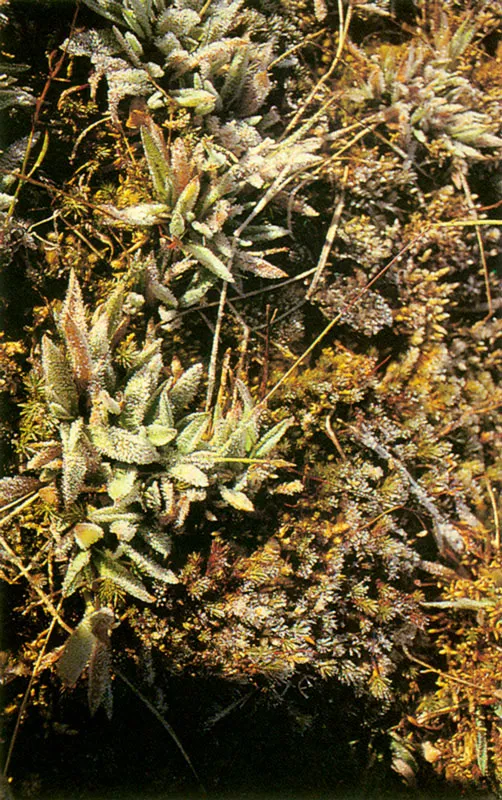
[
  {"x": 196, "y": 47},
  {"x": 207, "y": 187},
  {"x": 133, "y": 434},
  {"x": 203, "y": 198},
  {"x": 424, "y": 94}
]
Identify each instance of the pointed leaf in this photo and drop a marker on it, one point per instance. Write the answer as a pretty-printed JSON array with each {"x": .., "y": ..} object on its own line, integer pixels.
[
  {"x": 75, "y": 460},
  {"x": 114, "y": 571},
  {"x": 202, "y": 101},
  {"x": 272, "y": 438},
  {"x": 122, "y": 482},
  {"x": 164, "y": 414},
  {"x": 13, "y": 488},
  {"x": 142, "y": 214},
  {"x": 76, "y": 653},
  {"x": 160, "y": 435},
  {"x": 149, "y": 567},
  {"x": 208, "y": 260},
  {"x": 99, "y": 691},
  {"x": 60, "y": 389},
  {"x": 159, "y": 541},
  {"x": 186, "y": 387},
  {"x": 73, "y": 578},
  {"x": 158, "y": 166},
  {"x": 73, "y": 324},
  {"x": 124, "y": 530},
  {"x": 138, "y": 392},
  {"x": 121, "y": 445},
  {"x": 105, "y": 322},
  {"x": 188, "y": 198},
  {"x": 110, "y": 514},
  {"x": 198, "y": 288},
  {"x": 191, "y": 435}
]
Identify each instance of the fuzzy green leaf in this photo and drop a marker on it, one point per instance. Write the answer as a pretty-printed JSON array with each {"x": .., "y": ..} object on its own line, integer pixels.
[
  {"x": 110, "y": 514},
  {"x": 159, "y": 541},
  {"x": 158, "y": 166},
  {"x": 76, "y": 653},
  {"x": 148, "y": 566},
  {"x": 208, "y": 260},
  {"x": 137, "y": 393},
  {"x": 177, "y": 225},
  {"x": 122, "y": 482},
  {"x": 99, "y": 690},
  {"x": 189, "y": 473},
  {"x": 160, "y": 435},
  {"x": 202, "y": 101},
  {"x": 188, "y": 198},
  {"x": 192, "y": 433},
  {"x": 236, "y": 75},
  {"x": 186, "y": 387},
  {"x": 236, "y": 499},
  {"x": 105, "y": 322},
  {"x": 121, "y": 445},
  {"x": 93, "y": 629},
  {"x": 164, "y": 414},
  {"x": 73, "y": 325},
  {"x": 143, "y": 215},
  {"x": 76, "y": 459},
  {"x": 198, "y": 288},
  {"x": 272, "y": 438},
  {"x": 124, "y": 530},
  {"x": 114, "y": 571},
  {"x": 73, "y": 578},
  {"x": 60, "y": 389}
]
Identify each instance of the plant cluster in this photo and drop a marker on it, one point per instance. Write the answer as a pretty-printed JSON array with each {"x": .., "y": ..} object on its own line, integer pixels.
[{"x": 278, "y": 229}]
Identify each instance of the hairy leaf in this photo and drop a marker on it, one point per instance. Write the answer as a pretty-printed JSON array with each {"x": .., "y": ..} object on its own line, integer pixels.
[
  {"x": 158, "y": 165},
  {"x": 105, "y": 322},
  {"x": 192, "y": 433},
  {"x": 148, "y": 566},
  {"x": 73, "y": 577},
  {"x": 73, "y": 325},
  {"x": 76, "y": 653},
  {"x": 121, "y": 445},
  {"x": 160, "y": 435},
  {"x": 143, "y": 214},
  {"x": 189, "y": 473},
  {"x": 60, "y": 389},
  {"x": 122, "y": 482},
  {"x": 114, "y": 571},
  {"x": 236, "y": 499},
  {"x": 76, "y": 459},
  {"x": 186, "y": 387},
  {"x": 272, "y": 438},
  {"x": 138, "y": 392},
  {"x": 159, "y": 541},
  {"x": 13, "y": 488},
  {"x": 99, "y": 690},
  {"x": 208, "y": 260}
]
